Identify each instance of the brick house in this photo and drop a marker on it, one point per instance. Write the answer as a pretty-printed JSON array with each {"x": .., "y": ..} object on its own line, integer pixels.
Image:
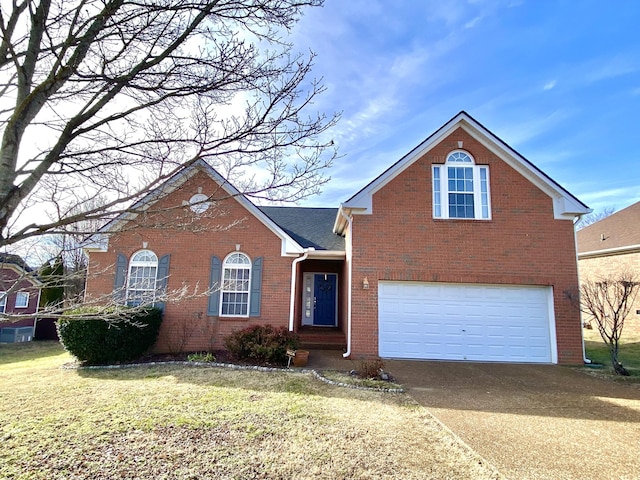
[
  {"x": 19, "y": 299},
  {"x": 461, "y": 250},
  {"x": 611, "y": 246}
]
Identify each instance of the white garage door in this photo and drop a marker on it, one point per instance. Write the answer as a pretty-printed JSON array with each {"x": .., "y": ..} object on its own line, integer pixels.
[{"x": 439, "y": 321}]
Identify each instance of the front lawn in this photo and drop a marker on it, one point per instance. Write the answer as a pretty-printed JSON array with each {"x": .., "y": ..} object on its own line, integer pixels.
[
  {"x": 177, "y": 422},
  {"x": 629, "y": 352}
]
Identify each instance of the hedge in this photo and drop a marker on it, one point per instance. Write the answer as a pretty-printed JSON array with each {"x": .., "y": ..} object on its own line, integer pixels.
[{"x": 96, "y": 336}]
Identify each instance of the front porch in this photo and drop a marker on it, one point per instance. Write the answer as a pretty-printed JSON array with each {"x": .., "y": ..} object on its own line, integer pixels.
[
  {"x": 320, "y": 303},
  {"x": 322, "y": 338}
]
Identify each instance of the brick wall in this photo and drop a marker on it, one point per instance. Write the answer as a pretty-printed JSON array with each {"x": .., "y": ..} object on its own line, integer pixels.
[
  {"x": 191, "y": 241},
  {"x": 595, "y": 267},
  {"x": 522, "y": 244}
]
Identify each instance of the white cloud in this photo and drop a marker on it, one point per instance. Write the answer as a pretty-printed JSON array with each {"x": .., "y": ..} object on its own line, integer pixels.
[{"x": 549, "y": 85}]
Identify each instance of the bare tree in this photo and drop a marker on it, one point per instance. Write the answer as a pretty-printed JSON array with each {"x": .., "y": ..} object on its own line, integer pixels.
[
  {"x": 594, "y": 217},
  {"x": 608, "y": 301},
  {"x": 109, "y": 98},
  {"x": 115, "y": 96}
]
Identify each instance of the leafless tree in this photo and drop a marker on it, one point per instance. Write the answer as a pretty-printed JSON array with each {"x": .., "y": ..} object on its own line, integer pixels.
[
  {"x": 114, "y": 96},
  {"x": 109, "y": 98},
  {"x": 594, "y": 217},
  {"x": 608, "y": 301}
]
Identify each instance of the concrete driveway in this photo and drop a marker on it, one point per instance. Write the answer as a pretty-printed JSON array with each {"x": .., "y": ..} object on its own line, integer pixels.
[{"x": 533, "y": 421}]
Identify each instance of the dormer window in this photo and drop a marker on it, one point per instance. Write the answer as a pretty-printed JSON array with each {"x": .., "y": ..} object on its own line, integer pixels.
[{"x": 461, "y": 188}]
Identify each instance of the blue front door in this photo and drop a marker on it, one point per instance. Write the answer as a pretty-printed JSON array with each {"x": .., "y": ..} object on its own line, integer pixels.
[{"x": 324, "y": 292}]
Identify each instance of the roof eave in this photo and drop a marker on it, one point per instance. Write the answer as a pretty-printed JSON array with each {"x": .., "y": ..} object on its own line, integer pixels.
[{"x": 565, "y": 205}]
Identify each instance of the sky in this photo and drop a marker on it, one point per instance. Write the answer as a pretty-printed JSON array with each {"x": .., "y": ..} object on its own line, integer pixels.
[{"x": 559, "y": 81}]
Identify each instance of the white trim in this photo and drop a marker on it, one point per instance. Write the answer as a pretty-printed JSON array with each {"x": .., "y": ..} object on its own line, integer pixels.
[
  {"x": 443, "y": 169},
  {"x": 143, "y": 264},
  {"x": 292, "y": 293},
  {"x": 565, "y": 205},
  {"x": 552, "y": 325},
  {"x": 100, "y": 241},
  {"x": 609, "y": 251},
  {"x": 349, "y": 259},
  {"x": 18, "y": 294},
  {"x": 3, "y": 301},
  {"x": 234, "y": 266}
]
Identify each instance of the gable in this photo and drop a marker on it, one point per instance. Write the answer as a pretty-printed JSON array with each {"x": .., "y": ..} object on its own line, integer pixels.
[
  {"x": 99, "y": 241},
  {"x": 565, "y": 205}
]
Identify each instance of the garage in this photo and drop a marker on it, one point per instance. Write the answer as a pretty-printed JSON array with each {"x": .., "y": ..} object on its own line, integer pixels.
[{"x": 469, "y": 322}]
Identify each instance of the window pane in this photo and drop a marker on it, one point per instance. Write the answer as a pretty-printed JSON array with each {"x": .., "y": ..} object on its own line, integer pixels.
[
  {"x": 437, "y": 207},
  {"x": 461, "y": 205}
]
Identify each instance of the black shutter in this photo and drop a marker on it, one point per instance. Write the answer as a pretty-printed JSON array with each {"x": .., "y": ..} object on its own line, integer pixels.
[
  {"x": 162, "y": 279},
  {"x": 256, "y": 287},
  {"x": 215, "y": 273},
  {"x": 119, "y": 287}
]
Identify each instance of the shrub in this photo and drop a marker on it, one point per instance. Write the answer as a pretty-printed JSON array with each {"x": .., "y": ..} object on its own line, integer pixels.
[
  {"x": 205, "y": 357},
  {"x": 97, "y": 337},
  {"x": 262, "y": 344},
  {"x": 370, "y": 368}
]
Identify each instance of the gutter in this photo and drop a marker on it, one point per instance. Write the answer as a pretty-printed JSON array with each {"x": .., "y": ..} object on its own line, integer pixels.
[
  {"x": 586, "y": 360},
  {"x": 349, "y": 220},
  {"x": 294, "y": 271}
]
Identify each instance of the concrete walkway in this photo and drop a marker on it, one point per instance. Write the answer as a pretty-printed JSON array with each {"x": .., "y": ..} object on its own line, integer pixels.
[{"x": 529, "y": 421}]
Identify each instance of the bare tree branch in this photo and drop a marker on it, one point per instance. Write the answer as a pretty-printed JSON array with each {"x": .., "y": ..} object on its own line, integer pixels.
[{"x": 608, "y": 301}]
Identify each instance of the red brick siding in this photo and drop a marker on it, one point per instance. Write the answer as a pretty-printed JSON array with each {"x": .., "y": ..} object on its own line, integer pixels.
[
  {"x": 8, "y": 278},
  {"x": 522, "y": 244},
  {"x": 186, "y": 325}
]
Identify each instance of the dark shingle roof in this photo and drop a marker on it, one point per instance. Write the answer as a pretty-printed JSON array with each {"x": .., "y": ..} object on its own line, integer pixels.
[
  {"x": 15, "y": 260},
  {"x": 310, "y": 227},
  {"x": 622, "y": 229}
]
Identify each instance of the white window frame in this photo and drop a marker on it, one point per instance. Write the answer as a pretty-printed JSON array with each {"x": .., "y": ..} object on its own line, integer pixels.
[
  {"x": 3, "y": 301},
  {"x": 24, "y": 296},
  {"x": 231, "y": 286},
  {"x": 149, "y": 268},
  {"x": 440, "y": 185}
]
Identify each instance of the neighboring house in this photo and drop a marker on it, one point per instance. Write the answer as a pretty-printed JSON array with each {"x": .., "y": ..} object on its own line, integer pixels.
[
  {"x": 611, "y": 246},
  {"x": 461, "y": 250},
  {"x": 19, "y": 299}
]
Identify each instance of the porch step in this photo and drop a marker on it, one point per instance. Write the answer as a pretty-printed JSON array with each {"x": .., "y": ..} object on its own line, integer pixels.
[{"x": 320, "y": 338}]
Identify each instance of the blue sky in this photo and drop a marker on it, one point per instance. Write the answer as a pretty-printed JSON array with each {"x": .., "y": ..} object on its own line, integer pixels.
[{"x": 559, "y": 81}]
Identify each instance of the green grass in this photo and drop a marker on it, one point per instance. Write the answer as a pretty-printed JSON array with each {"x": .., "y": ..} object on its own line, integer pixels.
[
  {"x": 186, "y": 422},
  {"x": 628, "y": 354}
]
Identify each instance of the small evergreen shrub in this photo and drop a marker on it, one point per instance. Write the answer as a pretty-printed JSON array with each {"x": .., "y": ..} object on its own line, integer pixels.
[
  {"x": 96, "y": 336},
  {"x": 262, "y": 344}
]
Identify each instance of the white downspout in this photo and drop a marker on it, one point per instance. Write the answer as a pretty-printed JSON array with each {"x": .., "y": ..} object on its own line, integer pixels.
[
  {"x": 586, "y": 360},
  {"x": 349, "y": 220},
  {"x": 294, "y": 272}
]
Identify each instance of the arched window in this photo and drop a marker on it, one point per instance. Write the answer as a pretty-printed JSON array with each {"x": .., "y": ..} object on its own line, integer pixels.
[
  {"x": 461, "y": 188},
  {"x": 236, "y": 280},
  {"x": 141, "y": 283}
]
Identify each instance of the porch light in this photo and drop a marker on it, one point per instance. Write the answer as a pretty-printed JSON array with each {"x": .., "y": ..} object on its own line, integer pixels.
[{"x": 365, "y": 283}]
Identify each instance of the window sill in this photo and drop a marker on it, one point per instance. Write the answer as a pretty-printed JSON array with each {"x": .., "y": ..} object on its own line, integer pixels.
[
  {"x": 462, "y": 219},
  {"x": 227, "y": 318}
]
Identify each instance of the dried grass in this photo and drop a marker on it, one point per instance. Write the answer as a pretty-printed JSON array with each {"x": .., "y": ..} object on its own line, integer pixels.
[{"x": 177, "y": 422}]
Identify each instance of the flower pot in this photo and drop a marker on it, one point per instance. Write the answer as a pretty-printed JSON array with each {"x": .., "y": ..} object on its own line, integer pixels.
[{"x": 301, "y": 357}]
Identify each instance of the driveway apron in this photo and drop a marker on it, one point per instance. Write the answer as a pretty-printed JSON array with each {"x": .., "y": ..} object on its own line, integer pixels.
[{"x": 533, "y": 421}]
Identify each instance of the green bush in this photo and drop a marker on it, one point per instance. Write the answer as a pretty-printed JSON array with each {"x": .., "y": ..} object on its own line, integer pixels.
[
  {"x": 262, "y": 344},
  {"x": 97, "y": 336}
]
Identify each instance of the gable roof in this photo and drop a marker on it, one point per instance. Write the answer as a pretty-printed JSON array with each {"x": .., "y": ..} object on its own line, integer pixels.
[
  {"x": 11, "y": 259},
  {"x": 99, "y": 241},
  {"x": 310, "y": 227},
  {"x": 565, "y": 205},
  {"x": 617, "y": 233}
]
